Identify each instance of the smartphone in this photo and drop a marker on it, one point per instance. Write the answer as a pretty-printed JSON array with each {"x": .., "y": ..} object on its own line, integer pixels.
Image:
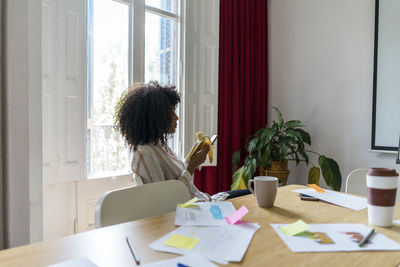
[
  {"x": 305, "y": 197},
  {"x": 213, "y": 138}
]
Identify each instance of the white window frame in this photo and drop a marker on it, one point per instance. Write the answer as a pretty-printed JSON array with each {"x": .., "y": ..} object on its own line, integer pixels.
[{"x": 138, "y": 9}]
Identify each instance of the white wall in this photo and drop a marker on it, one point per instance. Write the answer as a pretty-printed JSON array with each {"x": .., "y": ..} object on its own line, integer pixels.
[
  {"x": 321, "y": 71},
  {"x": 22, "y": 127}
]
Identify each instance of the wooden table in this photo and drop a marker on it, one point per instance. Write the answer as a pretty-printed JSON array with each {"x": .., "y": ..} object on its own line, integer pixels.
[{"x": 107, "y": 246}]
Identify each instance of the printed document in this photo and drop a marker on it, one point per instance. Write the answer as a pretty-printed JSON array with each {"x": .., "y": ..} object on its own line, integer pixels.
[
  {"x": 220, "y": 244},
  {"x": 341, "y": 199},
  {"x": 192, "y": 260},
  {"x": 335, "y": 237}
]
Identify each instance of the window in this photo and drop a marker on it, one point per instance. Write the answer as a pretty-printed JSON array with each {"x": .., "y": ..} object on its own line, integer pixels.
[{"x": 111, "y": 68}]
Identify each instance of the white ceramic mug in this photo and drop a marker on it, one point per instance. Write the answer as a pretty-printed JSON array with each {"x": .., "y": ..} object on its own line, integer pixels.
[
  {"x": 265, "y": 188},
  {"x": 382, "y": 188}
]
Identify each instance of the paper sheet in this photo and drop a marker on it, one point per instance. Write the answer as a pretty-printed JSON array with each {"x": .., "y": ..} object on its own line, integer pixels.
[
  {"x": 396, "y": 221},
  {"x": 76, "y": 262},
  {"x": 220, "y": 244},
  {"x": 192, "y": 260},
  {"x": 202, "y": 216},
  {"x": 344, "y": 200},
  {"x": 336, "y": 237}
]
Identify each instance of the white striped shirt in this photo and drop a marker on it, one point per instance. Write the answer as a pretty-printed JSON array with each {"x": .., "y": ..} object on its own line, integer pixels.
[{"x": 156, "y": 163}]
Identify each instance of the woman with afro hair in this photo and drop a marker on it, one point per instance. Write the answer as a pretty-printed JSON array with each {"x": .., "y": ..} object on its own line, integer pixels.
[{"x": 145, "y": 116}]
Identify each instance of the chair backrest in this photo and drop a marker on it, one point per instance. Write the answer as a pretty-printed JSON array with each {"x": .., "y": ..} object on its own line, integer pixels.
[
  {"x": 356, "y": 182},
  {"x": 133, "y": 203}
]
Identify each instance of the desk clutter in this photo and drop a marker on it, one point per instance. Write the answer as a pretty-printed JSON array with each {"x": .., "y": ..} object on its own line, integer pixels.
[
  {"x": 229, "y": 241},
  {"x": 215, "y": 232}
]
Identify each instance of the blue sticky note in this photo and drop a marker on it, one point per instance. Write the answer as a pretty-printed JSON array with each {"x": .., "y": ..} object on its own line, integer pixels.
[{"x": 216, "y": 212}]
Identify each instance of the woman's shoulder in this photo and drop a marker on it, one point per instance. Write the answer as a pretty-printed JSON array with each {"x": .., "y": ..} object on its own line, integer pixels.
[{"x": 145, "y": 150}]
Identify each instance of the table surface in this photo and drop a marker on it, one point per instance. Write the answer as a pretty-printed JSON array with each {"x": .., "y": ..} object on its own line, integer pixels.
[{"x": 107, "y": 246}]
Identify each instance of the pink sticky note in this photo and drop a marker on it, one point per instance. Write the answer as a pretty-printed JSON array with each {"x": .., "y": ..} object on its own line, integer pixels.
[{"x": 235, "y": 217}]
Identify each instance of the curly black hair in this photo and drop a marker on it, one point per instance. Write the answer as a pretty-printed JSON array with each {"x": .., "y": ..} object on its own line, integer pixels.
[{"x": 144, "y": 113}]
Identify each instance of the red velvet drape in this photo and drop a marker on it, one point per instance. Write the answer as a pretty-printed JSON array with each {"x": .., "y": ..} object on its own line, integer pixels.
[{"x": 243, "y": 85}]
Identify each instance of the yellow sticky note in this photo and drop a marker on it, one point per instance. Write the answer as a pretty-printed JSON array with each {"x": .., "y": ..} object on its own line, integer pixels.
[
  {"x": 295, "y": 228},
  {"x": 180, "y": 241},
  {"x": 188, "y": 203},
  {"x": 317, "y": 188}
]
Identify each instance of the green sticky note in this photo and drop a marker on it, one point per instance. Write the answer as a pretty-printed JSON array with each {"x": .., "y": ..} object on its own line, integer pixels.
[
  {"x": 180, "y": 241},
  {"x": 189, "y": 203},
  {"x": 295, "y": 228}
]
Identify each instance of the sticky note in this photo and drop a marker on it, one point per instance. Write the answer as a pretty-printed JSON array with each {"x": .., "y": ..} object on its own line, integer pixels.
[
  {"x": 189, "y": 203},
  {"x": 180, "y": 241},
  {"x": 235, "y": 217},
  {"x": 317, "y": 188},
  {"x": 216, "y": 212},
  {"x": 295, "y": 228}
]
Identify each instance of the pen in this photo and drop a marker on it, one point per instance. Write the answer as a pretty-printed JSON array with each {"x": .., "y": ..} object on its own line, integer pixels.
[
  {"x": 135, "y": 255},
  {"x": 366, "y": 238}
]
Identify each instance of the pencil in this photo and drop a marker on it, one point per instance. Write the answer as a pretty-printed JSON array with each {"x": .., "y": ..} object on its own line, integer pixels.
[
  {"x": 366, "y": 238},
  {"x": 135, "y": 255}
]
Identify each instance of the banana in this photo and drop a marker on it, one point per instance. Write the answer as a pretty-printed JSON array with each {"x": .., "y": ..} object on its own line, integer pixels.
[{"x": 202, "y": 140}]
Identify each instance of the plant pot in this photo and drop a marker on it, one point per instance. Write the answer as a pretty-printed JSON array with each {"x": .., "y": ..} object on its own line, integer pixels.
[{"x": 278, "y": 169}]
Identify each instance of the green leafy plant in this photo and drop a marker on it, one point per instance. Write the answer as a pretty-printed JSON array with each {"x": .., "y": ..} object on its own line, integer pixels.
[{"x": 282, "y": 141}]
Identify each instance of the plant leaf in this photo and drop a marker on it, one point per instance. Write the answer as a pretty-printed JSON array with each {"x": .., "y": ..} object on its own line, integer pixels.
[
  {"x": 330, "y": 172},
  {"x": 304, "y": 155},
  {"x": 238, "y": 181},
  {"x": 293, "y": 124},
  {"x": 305, "y": 136},
  {"x": 251, "y": 169},
  {"x": 279, "y": 115},
  {"x": 295, "y": 135},
  {"x": 267, "y": 134},
  {"x": 314, "y": 175},
  {"x": 282, "y": 151},
  {"x": 235, "y": 159},
  {"x": 252, "y": 145}
]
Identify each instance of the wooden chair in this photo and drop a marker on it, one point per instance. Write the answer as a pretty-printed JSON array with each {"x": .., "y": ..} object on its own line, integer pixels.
[
  {"x": 356, "y": 182},
  {"x": 133, "y": 203}
]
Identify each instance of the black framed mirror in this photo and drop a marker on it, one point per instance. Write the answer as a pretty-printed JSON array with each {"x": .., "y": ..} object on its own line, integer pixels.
[{"x": 386, "y": 82}]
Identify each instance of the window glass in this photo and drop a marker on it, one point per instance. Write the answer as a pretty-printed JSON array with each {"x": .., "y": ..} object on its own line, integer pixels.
[
  {"x": 160, "y": 49},
  {"x": 160, "y": 56},
  {"x": 167, "y": 5},
  {"x": 107, "y": 78}
]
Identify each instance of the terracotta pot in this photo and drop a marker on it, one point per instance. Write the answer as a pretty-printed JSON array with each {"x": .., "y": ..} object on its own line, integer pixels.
[{"x": 278, "y": 169}]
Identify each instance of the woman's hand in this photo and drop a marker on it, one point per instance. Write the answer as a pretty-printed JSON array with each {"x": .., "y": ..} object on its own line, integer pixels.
[{"x": 197, "y": 158}]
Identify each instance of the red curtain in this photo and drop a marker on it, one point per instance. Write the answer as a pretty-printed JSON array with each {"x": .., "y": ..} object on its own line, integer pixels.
[{"x": 243, "y": 85}]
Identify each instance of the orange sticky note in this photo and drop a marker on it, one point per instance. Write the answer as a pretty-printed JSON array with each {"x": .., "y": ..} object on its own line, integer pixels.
[
  {"x": 180, "y": 241},
  {"x": 317, "y": 188}
]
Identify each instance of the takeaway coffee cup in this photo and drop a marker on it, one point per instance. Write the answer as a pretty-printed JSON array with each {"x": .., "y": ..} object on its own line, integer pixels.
[
  {"x": 382, "y": 187},
  {"x": 265, "y": 188}
]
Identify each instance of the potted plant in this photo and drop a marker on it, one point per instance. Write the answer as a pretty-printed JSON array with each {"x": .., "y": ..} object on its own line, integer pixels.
[{"x": 270, "y": 148}]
